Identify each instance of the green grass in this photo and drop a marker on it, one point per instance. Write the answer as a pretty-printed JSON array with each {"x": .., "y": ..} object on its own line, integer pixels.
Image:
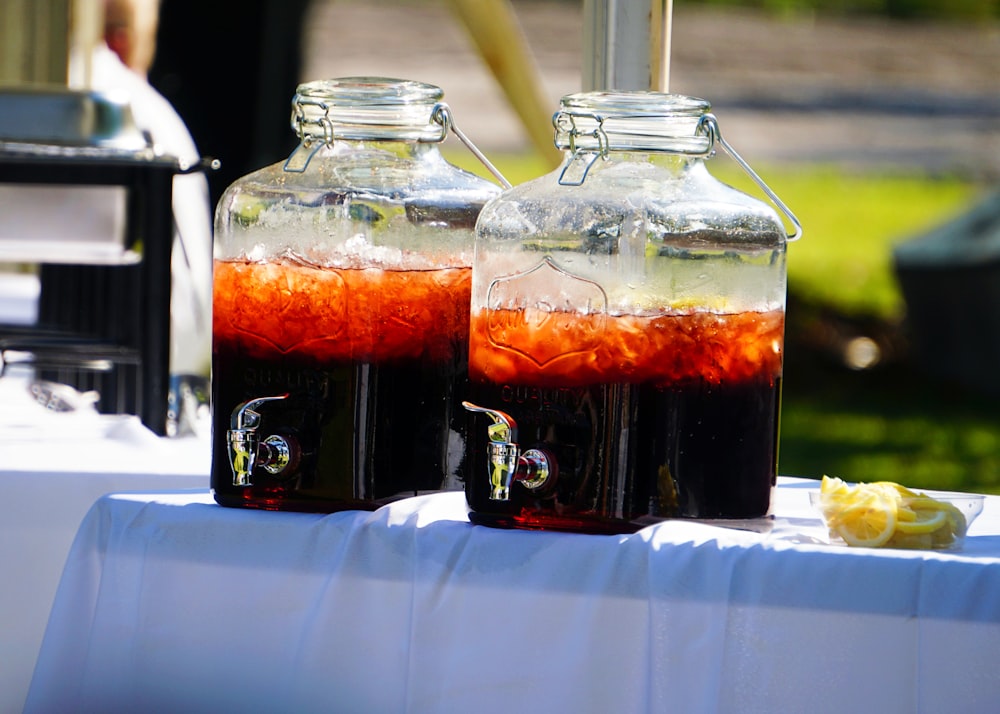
[
  {"x": 851, "y": 222},
  {"x": 891, "y": 423}
]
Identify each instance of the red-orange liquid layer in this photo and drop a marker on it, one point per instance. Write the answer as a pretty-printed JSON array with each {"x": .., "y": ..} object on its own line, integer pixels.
[
  {"x": 647, "y": 417},
  {"x": 373, "y": 363},
  {"x": 317, "y": 316},
  {"x": 563, "y": 349}
]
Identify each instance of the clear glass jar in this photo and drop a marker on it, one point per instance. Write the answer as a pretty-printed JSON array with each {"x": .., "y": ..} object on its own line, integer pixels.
[
  {"x": 341, "y": 303},
  {"x": 627, "y": 329}
]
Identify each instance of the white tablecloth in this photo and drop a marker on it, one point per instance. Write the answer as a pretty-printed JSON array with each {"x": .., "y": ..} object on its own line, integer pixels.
[
  {"x": 170, "y": 603},
  {"x": 54, "y": 467}
]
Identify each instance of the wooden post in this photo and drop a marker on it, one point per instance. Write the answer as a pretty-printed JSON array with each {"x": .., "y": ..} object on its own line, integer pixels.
[
  {"x": 661, "y": 31},
  {"x": 494, "y": 28}
]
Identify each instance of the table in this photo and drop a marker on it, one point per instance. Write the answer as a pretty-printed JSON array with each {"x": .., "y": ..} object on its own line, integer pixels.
[
  {"x": 18, "y": 298},
  {"x": 172, "y": 603},
  {"x": 54, "y": 467}
]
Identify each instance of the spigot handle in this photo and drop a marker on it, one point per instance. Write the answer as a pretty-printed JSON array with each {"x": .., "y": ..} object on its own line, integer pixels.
[
  {"x": 245, "y": 416},
  {"x": 503, "y": 429},
  {"x": 243, "y": 442},
  {"x": 502, "y": 450},
  {"x": 535, "y": 468}
]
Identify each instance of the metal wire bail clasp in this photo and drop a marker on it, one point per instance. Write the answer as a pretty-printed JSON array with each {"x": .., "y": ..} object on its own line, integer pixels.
[
  {"x": 442, "y": 115},
  {"x": 580, "y": 160},
  {"x": 709, "y": 126},
  {"x": 309, "y": 144}
]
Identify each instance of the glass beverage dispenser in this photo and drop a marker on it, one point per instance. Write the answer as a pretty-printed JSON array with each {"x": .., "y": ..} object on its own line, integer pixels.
[
  {"x": 341, "y": 304},
  {"x": 627, "y": 329}
]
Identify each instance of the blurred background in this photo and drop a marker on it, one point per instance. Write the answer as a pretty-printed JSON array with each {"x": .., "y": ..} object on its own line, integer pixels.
[{"x": 876, "y": 121}]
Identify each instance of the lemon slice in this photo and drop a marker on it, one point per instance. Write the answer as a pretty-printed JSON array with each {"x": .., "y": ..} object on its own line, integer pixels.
[
  {"x": 868, "y": 523},
  {"x": 923, "y": 502},
  {"x": 833, "y": 486},
  {"x": 903, "y": 491},
  {"x": 924, "y": 521},
  {"x": 834, "y": 494}
]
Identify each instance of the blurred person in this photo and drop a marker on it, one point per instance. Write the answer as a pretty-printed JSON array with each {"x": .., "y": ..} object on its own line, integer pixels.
[
  {"x": 120, "y": 62},
  {"x": 130, "y": 32}
]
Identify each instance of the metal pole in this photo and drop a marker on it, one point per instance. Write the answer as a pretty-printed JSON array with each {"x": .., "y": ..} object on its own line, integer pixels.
[{"x": 626, "y": 44}]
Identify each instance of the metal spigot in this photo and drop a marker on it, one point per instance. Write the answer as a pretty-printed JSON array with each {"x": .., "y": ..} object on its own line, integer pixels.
[
  {"x": 247, "y": 451},
  {"x": 533, "y": 469}
]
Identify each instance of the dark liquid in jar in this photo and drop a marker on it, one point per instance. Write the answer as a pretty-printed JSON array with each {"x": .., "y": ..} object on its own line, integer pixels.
[
  {"x": 374, "y": 365},
  {"x": 659, "y": 416}
]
